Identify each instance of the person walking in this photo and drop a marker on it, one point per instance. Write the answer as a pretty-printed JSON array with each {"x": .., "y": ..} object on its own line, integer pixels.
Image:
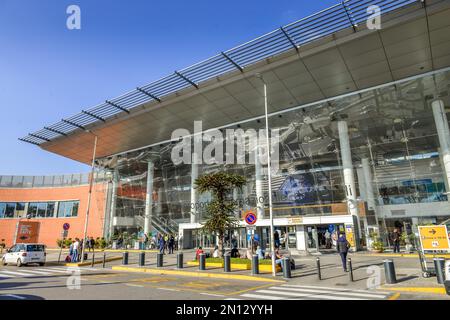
[
  {"x": 342, "y": 247},
  {"x": 328, "y": 239},
  {"x": 276, "y": 239},
  {"x": 75, "y": 247},
  {"x": 166, "y": 241},
  {"x": 91, "y": 244},
  {"x": 396, "y": 240},
  {"x": 171, "y": 244},
  {"x": 145, "y": 241},
  {"x": 162, "y": 245}
]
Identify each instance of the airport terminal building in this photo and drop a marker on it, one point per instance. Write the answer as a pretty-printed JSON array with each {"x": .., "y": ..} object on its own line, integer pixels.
[{"x": 360, "y": 115}]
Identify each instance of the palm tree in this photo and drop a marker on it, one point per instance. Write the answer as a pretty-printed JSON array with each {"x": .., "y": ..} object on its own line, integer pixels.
[{"x": 219, "y": 212}]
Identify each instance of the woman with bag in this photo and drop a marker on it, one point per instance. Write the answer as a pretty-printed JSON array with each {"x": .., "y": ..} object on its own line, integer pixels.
[{"x": 342, "y": 247}]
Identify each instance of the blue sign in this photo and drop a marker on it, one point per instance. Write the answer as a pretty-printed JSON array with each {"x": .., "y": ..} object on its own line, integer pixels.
[{"x": 331, "y": 228}]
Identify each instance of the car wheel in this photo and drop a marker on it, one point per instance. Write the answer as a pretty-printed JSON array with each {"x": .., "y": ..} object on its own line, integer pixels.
[
  {"x": 42, "y": 264},
  {"x": 4, "y": 262},
  {"x": 19, "y": 262}
]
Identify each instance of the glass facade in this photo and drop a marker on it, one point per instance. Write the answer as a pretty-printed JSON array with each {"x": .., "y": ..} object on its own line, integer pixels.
[{"x": 392, "y": 173}]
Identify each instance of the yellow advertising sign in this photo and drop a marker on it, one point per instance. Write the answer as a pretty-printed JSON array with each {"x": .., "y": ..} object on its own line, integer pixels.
[
  {"x": 296, "y": 220},
  {"x": 434, "y": 238},
  {"x": 349, "y": 235}
]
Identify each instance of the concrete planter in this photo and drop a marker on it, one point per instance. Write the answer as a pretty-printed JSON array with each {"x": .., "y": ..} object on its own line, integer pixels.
[{"x": 263, "y": 268}]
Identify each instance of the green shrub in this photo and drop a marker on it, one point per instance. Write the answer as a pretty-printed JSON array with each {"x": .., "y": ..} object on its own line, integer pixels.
[
  {"x": 59, "y": 243},
  {"x": 378, "y": 245}
]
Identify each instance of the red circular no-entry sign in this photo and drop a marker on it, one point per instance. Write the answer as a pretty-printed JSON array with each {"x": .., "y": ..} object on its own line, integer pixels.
[{"x": 250, "y": 218}]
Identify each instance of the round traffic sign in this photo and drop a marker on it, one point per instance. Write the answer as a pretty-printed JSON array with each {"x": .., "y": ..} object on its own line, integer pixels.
[
  {"x": 66, "y": 226},
  {"x": 250, "y": 218}
]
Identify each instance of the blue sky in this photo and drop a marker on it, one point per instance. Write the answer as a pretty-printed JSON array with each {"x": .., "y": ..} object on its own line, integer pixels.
[{"x": 48, "y": 72}]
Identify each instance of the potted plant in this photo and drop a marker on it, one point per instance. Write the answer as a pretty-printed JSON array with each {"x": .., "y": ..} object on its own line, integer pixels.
[
  {"x": 219, "y": 212},
  {"x": 408, "y": 240},
  {"x": 377, "y": 246}
]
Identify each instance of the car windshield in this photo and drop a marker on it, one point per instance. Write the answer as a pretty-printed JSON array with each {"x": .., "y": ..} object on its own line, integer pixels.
[{"x": 35, "y": 247}]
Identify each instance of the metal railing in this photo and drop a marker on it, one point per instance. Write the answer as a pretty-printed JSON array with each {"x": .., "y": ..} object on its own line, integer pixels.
[
  {"x": 347, "y": 14},
  {"x": 66, "y": 180}
]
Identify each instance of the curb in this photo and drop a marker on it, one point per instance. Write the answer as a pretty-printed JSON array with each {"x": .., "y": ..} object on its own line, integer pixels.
[
  {"x": 109, "y": 250},
  {"x": 79, "y": 264},
  {"x": 405, "y": 255},
  {"x": 428, "y": 290},
  {"x": 196, "y": 274}
]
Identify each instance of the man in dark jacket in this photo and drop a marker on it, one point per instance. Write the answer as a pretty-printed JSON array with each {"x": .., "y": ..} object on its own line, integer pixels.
[
  {"x": 342, "y": 247},
  {"x": 396, "y": 240}
]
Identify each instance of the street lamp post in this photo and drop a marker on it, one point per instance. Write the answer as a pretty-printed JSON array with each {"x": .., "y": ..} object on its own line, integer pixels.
[
  {"x": 272, "y": 231},
  {"x": 86, "y": 220}
]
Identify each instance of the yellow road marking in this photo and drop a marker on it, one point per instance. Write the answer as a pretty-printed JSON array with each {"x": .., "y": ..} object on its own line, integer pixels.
[
  {"x": 394, "y": 296},
  {"x": 197, "y": 274},
  {"x": 204, "y": 284},
  {"x": 249, "y": 289},
  {"x": 417, "y": 289},
  {"x": 155, "y": 279}
]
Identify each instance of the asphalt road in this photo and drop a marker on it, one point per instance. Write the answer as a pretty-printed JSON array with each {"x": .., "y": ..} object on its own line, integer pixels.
[{"x": 57, "y": 282}]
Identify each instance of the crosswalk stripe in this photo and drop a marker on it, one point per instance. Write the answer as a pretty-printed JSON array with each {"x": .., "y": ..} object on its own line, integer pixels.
[
  {"x": 52, "y": 271},
  {"x": 61, "y": 269},
  {"x": 16, "y": 273},
  {"x": 308, "y": 295},
  {"x": 5, "y": 276},
  {"x": 331, "y": 289},
  {"x": 260, "y": 297},
  {"x": 38, "y": 272},
  {"x": 346, "y": 293}
]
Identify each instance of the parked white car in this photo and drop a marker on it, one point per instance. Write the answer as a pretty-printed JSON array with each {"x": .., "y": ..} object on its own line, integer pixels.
[{"x": 25, "y": 253}]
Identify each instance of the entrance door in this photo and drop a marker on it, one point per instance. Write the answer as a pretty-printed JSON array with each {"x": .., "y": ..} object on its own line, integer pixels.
[{"x": 312, "y": 239}]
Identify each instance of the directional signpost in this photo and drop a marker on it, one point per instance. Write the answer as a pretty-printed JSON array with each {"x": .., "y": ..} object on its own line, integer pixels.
[
  {"x": 64, "y": 234},
  {"x": 434, "y": 238},
  {"x": 250, "y": 219}
]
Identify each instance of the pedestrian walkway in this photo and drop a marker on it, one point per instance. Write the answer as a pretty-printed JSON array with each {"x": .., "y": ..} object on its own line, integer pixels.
[
  {"x": 39, "y": 272},
  {"x": 300, "y": 292}
]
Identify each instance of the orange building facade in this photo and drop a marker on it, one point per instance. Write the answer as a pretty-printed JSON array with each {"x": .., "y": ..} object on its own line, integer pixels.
[{"x": 52, "y": 205}]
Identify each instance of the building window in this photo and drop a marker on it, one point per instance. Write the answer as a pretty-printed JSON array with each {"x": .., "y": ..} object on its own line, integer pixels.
[
  {"x": 41, "y": 209},
  {"x": 68, "y": 209},
  {"x": 10, "y": 209},
  {"x": 2, "y": 209}
]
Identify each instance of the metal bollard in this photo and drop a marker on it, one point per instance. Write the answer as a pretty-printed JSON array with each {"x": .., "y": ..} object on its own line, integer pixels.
[
  {"x": 439, "y": 265},
  {"x": 255, "y": 264},
  {"x": 202, "y": 261},
  {"x": 93, "y": 259},
  {"x": 125, "y": 258},
  {"x": 350, "y": 269},
  {"x": 104, "y": 259},
  {"x": 227, "y": 263},
  {"x": 319, "y": 273},
  {"x": 141, "y": 259},
  {"x": 286, "y": 268},
  {"x": 389, "y": 271},
  {"x": 160, "y": 260},
  {"x": 180, "y": 260}
]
